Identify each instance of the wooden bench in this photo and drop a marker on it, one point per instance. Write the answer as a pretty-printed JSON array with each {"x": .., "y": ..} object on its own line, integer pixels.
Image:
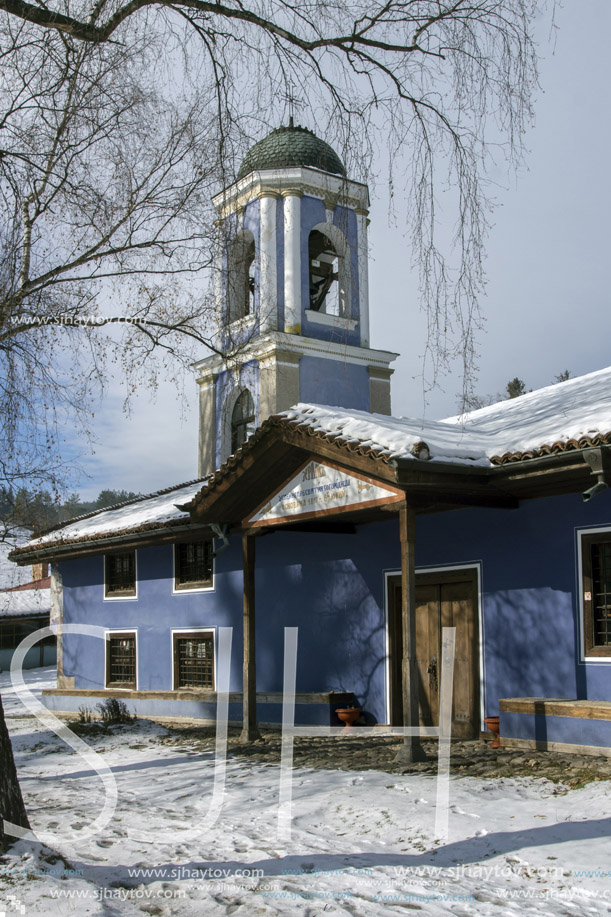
[{"x": 556, "y": 724}]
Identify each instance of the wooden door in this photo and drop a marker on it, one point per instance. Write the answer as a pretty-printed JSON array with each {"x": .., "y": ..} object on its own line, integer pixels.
[{"x": 446, "y": 599}]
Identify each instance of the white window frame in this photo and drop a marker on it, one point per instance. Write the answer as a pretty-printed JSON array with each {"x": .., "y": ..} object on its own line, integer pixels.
[
  {"x": 120, "y": 598},
  {"x": 592, "y": 530},
  {"x": 107, "y": 635},
  {"x": 188, "y": 590}
]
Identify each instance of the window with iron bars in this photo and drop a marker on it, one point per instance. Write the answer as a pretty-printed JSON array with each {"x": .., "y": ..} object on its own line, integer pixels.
[
  {"x": 194, "y": 660},
  {"x": 193, "y": 564},
  {"x": 596, "y": 573},
  {"x": 121, "y": 660},
  {"x": 120, "y": 574}
]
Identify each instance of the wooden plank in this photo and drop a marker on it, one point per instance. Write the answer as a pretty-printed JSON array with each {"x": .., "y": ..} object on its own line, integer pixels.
[
  {"x": 426, "y": 649},
  {"x": 411, "y": 749},
  {"x": 203, "y": 695},
  {"x": 561, "y": 747},
  {"x": 554, "y": 706},
  {"x": 395, "y": 650},
  {"x": 458, "y": 611},
  {"x": 250, "y": 731}
]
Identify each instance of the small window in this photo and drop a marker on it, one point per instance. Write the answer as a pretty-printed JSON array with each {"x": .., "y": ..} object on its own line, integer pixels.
[
  {"x": 194, "y": 660},
  {"x": 121, "y": 661},
  {"x": 596, "y": 570},
  {"x": 120, "y": 574},
  {"x": 242, "y": 420},
  {"x": 193, "y": 564}
]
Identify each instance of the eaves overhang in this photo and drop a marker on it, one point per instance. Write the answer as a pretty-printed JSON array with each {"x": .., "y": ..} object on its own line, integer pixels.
[{"x": 144, "y": 536}]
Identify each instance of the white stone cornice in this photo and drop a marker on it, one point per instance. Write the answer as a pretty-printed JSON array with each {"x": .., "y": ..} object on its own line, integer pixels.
[
  {"x": 313, "y": 182},
  {"x": 332, "y": 321},
  {"x": 279, "y": 344}
]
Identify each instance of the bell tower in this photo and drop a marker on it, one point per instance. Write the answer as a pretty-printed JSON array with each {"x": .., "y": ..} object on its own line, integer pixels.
[{"x": 292, "y": 294}]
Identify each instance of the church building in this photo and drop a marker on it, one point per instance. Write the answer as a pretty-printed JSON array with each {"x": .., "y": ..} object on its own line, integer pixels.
[{"x": 316, "y": 509}]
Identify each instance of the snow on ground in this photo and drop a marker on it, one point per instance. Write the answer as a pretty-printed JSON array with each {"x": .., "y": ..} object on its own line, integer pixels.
[{"x": 362, "y": 843}]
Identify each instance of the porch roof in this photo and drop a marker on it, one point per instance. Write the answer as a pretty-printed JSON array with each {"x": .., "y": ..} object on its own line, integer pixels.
[{"x": 490, "y": 457}]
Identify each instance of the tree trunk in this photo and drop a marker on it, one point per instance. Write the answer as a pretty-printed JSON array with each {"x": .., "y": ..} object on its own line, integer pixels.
[{"x": 11, "y": 801}]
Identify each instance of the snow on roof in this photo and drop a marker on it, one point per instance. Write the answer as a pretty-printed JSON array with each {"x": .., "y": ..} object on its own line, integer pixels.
[
  {"x": 26, "y": 602},
  {"x": 570, "y": 414},
  {"x": 576, "y": 411},
  {"x": 158, "y": 509},
  {"x": 395, "y": 437}
]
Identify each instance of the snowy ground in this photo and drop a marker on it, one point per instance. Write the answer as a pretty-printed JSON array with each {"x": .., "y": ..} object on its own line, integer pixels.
[{"x": 362, "y": 843}]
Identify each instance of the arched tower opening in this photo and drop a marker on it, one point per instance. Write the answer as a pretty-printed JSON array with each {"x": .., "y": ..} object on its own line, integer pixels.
[
  {"x": 242, "y": 420},
  {"x": 324, "y": 274},
  {"x": 241, "y": 276}
]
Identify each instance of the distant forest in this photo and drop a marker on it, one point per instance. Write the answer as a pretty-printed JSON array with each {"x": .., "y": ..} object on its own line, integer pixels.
[{"x": 40, "y": 510}]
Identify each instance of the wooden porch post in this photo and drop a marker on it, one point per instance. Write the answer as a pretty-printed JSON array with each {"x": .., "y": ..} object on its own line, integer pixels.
[
  {"x": 412, "y": 749},
  {"x": 250, "y": 731}
]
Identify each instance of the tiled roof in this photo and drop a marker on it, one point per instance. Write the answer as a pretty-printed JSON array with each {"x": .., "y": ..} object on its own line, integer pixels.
[
  {"x": 571, "y": 415},
  {"x": 43, "y": 583},
  {"x": 569, "y": 445},
  {"x": 291, "y": 147},
  {"x": 142, "y": 514},
  {"x": 30, "y": 602}
]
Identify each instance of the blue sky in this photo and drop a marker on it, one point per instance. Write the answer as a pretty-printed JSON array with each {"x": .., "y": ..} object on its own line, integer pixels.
[{"x": 547, "y": 300}]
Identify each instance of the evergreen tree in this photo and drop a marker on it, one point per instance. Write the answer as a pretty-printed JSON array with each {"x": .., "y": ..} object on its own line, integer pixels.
[{"x": 515, "y": 387}]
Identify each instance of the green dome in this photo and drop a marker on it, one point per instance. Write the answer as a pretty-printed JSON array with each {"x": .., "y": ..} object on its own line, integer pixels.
[{"x": 289, "y": 148}]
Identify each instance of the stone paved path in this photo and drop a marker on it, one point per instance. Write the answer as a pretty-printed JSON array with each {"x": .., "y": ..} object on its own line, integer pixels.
[{"x": 468, "y": 758}]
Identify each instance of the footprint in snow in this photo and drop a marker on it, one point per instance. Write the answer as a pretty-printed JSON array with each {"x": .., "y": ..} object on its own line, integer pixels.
[{"x": 481, "y": 833}]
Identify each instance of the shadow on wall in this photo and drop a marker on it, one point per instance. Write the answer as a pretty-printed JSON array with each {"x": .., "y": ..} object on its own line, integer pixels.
[
  {"x": 341, "y": 631},
  {"x": 529, "y": 645}
]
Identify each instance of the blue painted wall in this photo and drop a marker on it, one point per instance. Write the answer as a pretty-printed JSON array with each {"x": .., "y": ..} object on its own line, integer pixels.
[
  {"x": 567, "y": 730},
  {"x": 334, "y": 382},
  {"x": 332, "y": 588},
  {"x": 337, "y": 602},
  {"x": 529, "y": 583},
  {"x": 153, "y": 613}
]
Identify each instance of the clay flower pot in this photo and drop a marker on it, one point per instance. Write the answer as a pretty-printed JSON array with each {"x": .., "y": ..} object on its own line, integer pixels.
[
  {"x": 494, "y": 724},
  {"x": 349, "y": 716}
]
